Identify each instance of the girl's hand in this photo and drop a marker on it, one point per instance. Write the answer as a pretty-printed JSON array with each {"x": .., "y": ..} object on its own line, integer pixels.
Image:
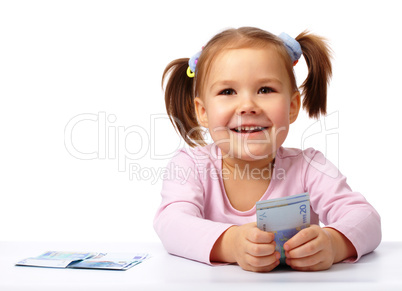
[
  {"x": 254, "y": 249},
  {"x": 316, "y": 248},
  {"x": 250, "y": 247}
]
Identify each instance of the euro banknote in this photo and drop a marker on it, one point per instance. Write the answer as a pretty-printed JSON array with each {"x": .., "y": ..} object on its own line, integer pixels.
[
  {"x": 285, "y": 217},
  {"x": 108, "y": 261}
]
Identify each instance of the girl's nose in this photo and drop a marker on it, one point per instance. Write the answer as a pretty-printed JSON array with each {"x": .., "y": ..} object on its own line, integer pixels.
[{"x": 247, "y": 106}]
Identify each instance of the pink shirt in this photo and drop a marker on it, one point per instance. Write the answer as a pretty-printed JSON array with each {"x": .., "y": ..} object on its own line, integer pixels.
[{"x": 195, "y": 210}]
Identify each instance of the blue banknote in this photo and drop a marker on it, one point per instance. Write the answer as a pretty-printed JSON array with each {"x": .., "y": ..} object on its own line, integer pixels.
[
  {"x": 284, "y": 217},
  {"x": 109, "y": 261}
]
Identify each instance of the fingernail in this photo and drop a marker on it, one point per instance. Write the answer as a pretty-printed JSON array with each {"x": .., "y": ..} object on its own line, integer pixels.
[{"x": 277, "y": 256}]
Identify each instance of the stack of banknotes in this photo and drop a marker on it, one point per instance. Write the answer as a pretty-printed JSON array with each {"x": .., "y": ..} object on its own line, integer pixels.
[
  {"x": 284, "y": 217},
  {"x": 108, "y": 261}
]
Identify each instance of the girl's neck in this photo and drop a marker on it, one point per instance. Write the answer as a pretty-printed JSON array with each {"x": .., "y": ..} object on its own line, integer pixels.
[
  {"x": 233, "y": 164},
  {"x": 246, "y": 181}
]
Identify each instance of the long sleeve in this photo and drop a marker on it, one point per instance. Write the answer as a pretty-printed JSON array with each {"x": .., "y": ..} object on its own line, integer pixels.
[
  {"x": 195, "y": 209},
  {"x": 338, "y": 206},
  {"x": 180, "y": 221}
]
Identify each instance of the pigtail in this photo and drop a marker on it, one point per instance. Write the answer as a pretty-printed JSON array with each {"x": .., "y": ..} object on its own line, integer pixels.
[
  {"x": 317, "y": 55},
  {"x": 179, "y": 101}
]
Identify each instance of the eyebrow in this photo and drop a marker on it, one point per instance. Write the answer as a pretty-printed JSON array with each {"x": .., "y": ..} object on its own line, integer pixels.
[
  {"x": 222, "y": 83},
  {"x": 230, "y": 82},
  {"x": 270, "y": 80}
]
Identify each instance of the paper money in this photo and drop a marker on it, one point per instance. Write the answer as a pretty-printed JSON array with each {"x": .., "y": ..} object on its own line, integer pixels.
[
  {"x": 110, "y": 261},
  {"x": 55, "y": 259},
  {"x": 284, "y": 217}
]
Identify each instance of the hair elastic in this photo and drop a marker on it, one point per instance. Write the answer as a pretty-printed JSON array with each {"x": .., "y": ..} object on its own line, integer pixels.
[
  {"x": 192, "y": 62},
  {"x": 292, "y": 46}
]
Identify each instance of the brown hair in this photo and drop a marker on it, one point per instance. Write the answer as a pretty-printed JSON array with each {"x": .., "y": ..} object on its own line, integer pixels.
[{"x": 181, "y": 90}]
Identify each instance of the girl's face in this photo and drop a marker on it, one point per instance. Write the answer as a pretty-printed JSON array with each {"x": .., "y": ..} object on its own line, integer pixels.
[{"x": 248, "y": 103}]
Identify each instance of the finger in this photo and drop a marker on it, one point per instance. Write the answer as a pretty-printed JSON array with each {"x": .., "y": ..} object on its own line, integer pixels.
[
  {"x": 300, "y": 238},
  {"x": 260, "y": 250},
  {"x": 305, "y": 262},
  {"x": 264, "y": 269},
  {"x": 306, "y": 250},
  {"x": 260, "y": 262},
  {"x": 259, "y": 236},
  {"x": 317, "y": 267}
]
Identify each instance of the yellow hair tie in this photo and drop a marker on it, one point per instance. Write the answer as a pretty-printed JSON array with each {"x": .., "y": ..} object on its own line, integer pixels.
[{"x": 190, "y": 73}]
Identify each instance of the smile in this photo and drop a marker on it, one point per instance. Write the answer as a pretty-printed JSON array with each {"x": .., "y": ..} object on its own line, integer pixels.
[{"x": 248, "y": 129}]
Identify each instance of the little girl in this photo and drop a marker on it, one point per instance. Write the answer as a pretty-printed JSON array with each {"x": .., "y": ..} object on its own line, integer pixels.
[{"x": 242, "y": 88}]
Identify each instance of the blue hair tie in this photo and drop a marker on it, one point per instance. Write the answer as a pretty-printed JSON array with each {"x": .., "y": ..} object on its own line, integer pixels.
[
  {"x": 192, "y": 63},
  {"x": 292, "y": 46}
]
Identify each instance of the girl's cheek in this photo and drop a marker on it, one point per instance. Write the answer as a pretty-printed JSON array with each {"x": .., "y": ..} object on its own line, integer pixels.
[{"x": 280, "y": 113}]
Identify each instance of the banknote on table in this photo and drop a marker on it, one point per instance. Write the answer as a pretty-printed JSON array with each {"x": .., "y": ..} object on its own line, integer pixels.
[
  {"x": 285, "y": 217},
  {"x": 111, "y": 261},
  {"x": 83, "y": 260},
  {"x": 54, "y": 259}
]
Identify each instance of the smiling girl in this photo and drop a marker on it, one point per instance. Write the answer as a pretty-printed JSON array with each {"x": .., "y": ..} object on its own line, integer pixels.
[{"x": 242, "y": 88}]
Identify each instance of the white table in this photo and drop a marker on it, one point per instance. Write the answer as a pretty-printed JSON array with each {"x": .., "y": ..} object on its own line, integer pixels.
[{"x": 380, "y": 270}]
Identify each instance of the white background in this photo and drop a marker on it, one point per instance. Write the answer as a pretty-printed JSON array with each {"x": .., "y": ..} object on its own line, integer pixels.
[{"x": 65, "y": 61}]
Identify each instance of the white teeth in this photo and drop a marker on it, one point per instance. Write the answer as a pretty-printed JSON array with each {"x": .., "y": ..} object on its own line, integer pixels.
[{"x": 248, "y": 128}]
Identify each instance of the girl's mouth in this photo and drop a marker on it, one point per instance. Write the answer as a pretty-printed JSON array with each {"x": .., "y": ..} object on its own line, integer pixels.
[{"x": 248, "y": 129}]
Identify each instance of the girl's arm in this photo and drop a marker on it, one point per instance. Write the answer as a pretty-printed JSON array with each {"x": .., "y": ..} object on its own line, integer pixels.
[
  {"x": 352, "y": 225},
  {"x": 179, "y": 221}
]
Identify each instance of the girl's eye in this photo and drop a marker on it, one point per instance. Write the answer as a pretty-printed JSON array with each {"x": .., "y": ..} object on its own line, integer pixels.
[
  {"x": 265, "y": 90},
  {"x": 227, "y": 92}
]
